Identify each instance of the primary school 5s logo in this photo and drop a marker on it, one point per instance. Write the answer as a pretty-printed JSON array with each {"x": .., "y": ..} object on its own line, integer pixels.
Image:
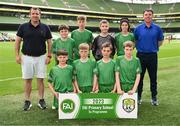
[{"x": 67, "y": 106}]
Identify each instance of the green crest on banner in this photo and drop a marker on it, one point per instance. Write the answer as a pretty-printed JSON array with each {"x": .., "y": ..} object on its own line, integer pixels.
[{"x": 128, "y": 105}]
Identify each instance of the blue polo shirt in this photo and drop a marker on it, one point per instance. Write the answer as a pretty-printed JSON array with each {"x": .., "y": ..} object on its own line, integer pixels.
[
  {"x": 147, "y": 38},
  {"x": 34, "y": 38}
]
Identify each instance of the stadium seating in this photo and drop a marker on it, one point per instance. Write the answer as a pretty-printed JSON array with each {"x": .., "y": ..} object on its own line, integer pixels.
[
  {"x": 102, "y": 5},
  {"x": 33, "y": 2},
  {"x": 114, "y": 9}
]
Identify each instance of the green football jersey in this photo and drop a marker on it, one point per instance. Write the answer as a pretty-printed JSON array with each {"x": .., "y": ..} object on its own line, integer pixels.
[
  {"x": 120, "y": 39},
  {"x": 81, "y": 37},
  {"x": 68, "y": 45},
  {"x": 61, "y": 79},
  {"x": 105, "y": 72},
  {"x": 128, "y": 69},
  {"x": 84, "y": 72}
]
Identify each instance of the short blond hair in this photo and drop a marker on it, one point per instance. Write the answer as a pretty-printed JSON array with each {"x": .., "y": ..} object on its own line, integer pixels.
[
  {"x": 81, "y": 18},
  {"x": 103, "y": 22},
  {"x": 128, "y": 44},
  {"x": 83, "y": 46}
]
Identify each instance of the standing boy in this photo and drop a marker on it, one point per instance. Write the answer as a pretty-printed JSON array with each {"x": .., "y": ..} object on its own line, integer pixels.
[
  {"x": 81, "y": 35},
  {"x": 102, "y": 38},
  {"x": 123, "y": 36},
  {"x": 61, "y": 77},
  {"x": 65, "y": 43},
  {"x": 105, "y": 71},
  {"x": 83, "y": 70},
  {"x": 128, "y": 69}
]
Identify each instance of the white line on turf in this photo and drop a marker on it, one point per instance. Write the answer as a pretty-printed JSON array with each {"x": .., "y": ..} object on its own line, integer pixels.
[
  {"x": 15, "y": 78},
  {"x": 165, "y": 58},
  {"x": 9, "y": 79}
]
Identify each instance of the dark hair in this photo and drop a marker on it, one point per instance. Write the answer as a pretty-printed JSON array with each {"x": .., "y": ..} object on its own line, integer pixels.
[
  {"x": 124, "y": 20},
  {"x": 62, "y": 52},
  {"x": 148, "y": 10},
  {"x": 106, "y": 44},
  {"x": 63, "y": 26},
  {"x": 35, "y": 8}
]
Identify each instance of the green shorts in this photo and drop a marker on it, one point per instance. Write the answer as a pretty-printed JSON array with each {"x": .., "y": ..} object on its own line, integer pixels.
[
  {"x": 105, "y": 88},
  {"x": 86, "y": 89}
]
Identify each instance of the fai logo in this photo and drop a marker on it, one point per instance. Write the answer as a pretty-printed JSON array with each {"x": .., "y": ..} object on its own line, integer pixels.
[
  {"x": 128, "y": 105},
  {"x": 67, "y": 106}
]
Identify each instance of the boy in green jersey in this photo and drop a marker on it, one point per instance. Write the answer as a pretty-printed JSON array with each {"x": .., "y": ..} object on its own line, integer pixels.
[
  {"x": 61, "y": 77},
  {"x": 123, "y": 36},
  {"x": 83, "y": 70},
  {"x": 65, "y": 43},
  {"x": 81, "y": 35},
  {"x": 128, "y": 69},
  {"x": 105, "y": 71}
]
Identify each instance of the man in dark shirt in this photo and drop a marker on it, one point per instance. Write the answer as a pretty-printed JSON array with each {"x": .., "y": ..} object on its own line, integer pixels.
[{"x": 33, "y": 59}]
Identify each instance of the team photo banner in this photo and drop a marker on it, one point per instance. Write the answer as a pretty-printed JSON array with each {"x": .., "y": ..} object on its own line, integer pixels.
[{"x": 97, "y": 105}]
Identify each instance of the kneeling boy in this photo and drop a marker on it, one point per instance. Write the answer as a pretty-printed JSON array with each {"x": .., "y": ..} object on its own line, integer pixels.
[
  {"x": 61, "y": 77},
  {"x": 83, "y": 70},
  {"x": 128, "y": 69},
  {"x": 105, "y": 71}
]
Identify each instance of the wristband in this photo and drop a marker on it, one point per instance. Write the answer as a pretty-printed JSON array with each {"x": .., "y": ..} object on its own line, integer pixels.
[{"x": 49, "y": 56}]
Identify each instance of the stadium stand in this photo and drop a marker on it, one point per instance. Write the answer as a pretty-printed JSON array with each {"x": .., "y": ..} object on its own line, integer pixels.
[
  {"x": 7, "y": 36},
  {"x": 55, "y": 12},
  {"x": 101, "y": 5}
]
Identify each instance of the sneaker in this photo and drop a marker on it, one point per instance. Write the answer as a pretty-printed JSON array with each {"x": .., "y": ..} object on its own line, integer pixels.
[
  {"x": 53, "y": 107},
  {"x": 42, "y": 104},
  {"x": 154, "y": 102},
  {"x": 27, "y": 105},
  {"x": 139, "y": 101}
]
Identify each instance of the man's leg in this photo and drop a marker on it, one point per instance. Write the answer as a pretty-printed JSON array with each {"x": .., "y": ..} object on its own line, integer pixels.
[
  {"x": 142, "y": 59},
  {"x": 140, "y": 86},
  {"x": 27, "y": 90},
  {"x": 40, "y": 72},
  {"x": 40, "y": 84},
  {"x": 41, "y": 103},
  {"x": 27, "y": 75},
  {"x": 152, "y": 70}
]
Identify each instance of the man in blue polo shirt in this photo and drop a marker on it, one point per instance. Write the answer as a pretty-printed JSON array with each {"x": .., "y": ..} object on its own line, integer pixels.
[
  {"x": 33, "y": 59},
  {"x": 149, "y": 37}
]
